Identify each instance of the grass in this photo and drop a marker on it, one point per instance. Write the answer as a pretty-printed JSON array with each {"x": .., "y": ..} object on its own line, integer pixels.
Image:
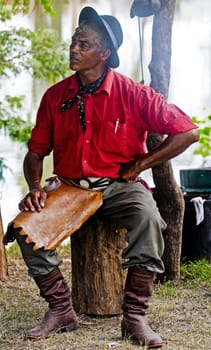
[
  {"x": 179, "y": 312},
  {"x": 198, "y": 272}
]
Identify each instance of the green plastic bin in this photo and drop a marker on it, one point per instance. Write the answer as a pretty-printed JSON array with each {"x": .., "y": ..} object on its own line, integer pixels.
[{"x": 196, "y": 180}]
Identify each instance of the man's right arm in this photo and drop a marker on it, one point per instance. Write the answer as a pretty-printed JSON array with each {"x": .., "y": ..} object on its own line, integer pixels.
[{"x": 33, "y": 169}]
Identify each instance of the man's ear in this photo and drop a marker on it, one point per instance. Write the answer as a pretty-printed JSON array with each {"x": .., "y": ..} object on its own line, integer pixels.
[{"x": 105, "y": 54}]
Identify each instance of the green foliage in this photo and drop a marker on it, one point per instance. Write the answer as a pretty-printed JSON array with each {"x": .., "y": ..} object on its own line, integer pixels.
[
  {"x": 46, "y": 4},
  {"x": 40, "y": 52},
  {"x": 8, "y": 9},
  {"x": 13, "y": 51},
  {"x": 35, "y": 52},
  {"x": 48, "y": 59},
  {"x": 204, "y": 148},
  {"x": 10, "y": 120}
]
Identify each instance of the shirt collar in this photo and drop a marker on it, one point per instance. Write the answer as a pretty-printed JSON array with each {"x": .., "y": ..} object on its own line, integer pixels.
[
  {"x": 107, "y": 83},
  {"x": 105, "y": 86}
]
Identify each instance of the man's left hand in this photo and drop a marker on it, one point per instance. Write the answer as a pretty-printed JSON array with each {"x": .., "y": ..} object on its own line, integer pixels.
[{"x": 129, "y": 171}]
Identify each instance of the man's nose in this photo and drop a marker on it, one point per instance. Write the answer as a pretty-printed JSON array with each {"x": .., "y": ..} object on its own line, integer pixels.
[{"x": 74, "y": 47}]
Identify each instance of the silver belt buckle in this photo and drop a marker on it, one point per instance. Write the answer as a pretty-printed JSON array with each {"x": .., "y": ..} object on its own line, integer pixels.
[
  {"x": 94, "y": 182},
  {"x": 86, "y": 183}
]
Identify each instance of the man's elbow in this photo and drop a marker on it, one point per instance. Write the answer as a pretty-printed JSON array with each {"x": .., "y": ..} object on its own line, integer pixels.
[{"x": 193, "y": 135}]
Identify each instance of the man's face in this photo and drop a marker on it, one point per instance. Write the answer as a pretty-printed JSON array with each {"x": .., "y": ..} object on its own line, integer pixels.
[{"x": 85, "y": 50}]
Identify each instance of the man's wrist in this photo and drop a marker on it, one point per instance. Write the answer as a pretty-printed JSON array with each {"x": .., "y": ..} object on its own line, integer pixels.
[{"x": 34, "y": 185}]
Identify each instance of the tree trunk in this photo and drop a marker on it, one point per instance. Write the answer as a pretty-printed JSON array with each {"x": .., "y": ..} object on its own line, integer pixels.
[
  {"x": 170, "y": 201},
  {"x": 3, "y": 258},
  {"x": 168, "y": 194},
  {"x": 97, "y": 277}
]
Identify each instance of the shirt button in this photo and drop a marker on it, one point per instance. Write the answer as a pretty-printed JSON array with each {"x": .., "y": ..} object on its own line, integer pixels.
[
  {"x": 85, "y": 162},
  {"x": 87, "y": 141}
]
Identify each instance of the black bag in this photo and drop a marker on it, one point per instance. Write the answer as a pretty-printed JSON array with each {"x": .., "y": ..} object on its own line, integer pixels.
[{"x": 196, "y": 241}]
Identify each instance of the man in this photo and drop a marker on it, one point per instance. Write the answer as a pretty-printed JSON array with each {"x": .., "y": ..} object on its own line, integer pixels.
[{"x": 96, "y": 123}]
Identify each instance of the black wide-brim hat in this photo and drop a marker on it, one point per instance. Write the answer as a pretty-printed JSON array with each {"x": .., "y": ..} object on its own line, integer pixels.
[{"x": 110, "y": 26}]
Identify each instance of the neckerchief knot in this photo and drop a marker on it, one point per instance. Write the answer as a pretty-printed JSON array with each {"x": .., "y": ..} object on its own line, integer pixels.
[{"x": 87, "y": 89}]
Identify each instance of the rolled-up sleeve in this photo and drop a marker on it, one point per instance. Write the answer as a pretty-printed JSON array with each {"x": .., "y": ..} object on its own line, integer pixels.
[{"x": 162, "y": 117}]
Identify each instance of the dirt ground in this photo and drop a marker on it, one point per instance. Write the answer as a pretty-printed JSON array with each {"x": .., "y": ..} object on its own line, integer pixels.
[{"x": 180, "y": 314}]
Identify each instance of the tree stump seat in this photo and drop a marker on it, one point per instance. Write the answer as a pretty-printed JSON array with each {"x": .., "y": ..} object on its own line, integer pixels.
[{"x": 97, "y": 277}]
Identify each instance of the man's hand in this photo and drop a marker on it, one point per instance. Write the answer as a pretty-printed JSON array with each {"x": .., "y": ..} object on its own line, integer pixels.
[
  {"x": 36, "y": 197},
  {"x": 129, "y": 171},
  {"x": 34, "y": 200}
]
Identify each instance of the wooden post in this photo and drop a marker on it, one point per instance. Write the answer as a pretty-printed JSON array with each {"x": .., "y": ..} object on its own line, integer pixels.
[
  {"x": 3, "y": 258},
  {"x": 97, "y": 277}
]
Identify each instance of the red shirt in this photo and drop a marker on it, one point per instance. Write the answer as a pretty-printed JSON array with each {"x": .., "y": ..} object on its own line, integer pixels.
[{"x": 118, "y": 116}]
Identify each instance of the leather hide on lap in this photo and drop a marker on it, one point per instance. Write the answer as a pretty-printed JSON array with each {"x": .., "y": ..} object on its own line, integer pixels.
[{"x": 67, "y": 208}]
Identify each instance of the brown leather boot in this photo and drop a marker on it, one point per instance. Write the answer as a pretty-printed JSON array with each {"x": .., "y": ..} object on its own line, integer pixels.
[
  {"x": 60, "y": 315},
  {"x": 138, "y": 289}
]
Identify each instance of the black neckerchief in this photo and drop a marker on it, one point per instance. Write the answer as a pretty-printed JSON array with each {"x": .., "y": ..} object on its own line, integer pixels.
[{"x": 88, "y": 89}]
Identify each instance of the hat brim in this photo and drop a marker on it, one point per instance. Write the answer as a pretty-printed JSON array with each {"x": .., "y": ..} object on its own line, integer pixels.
[{"x": 89, "y": 14}]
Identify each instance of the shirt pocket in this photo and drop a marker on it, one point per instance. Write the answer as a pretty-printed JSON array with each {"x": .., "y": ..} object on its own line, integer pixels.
[{"x": 111, "y": 136}]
